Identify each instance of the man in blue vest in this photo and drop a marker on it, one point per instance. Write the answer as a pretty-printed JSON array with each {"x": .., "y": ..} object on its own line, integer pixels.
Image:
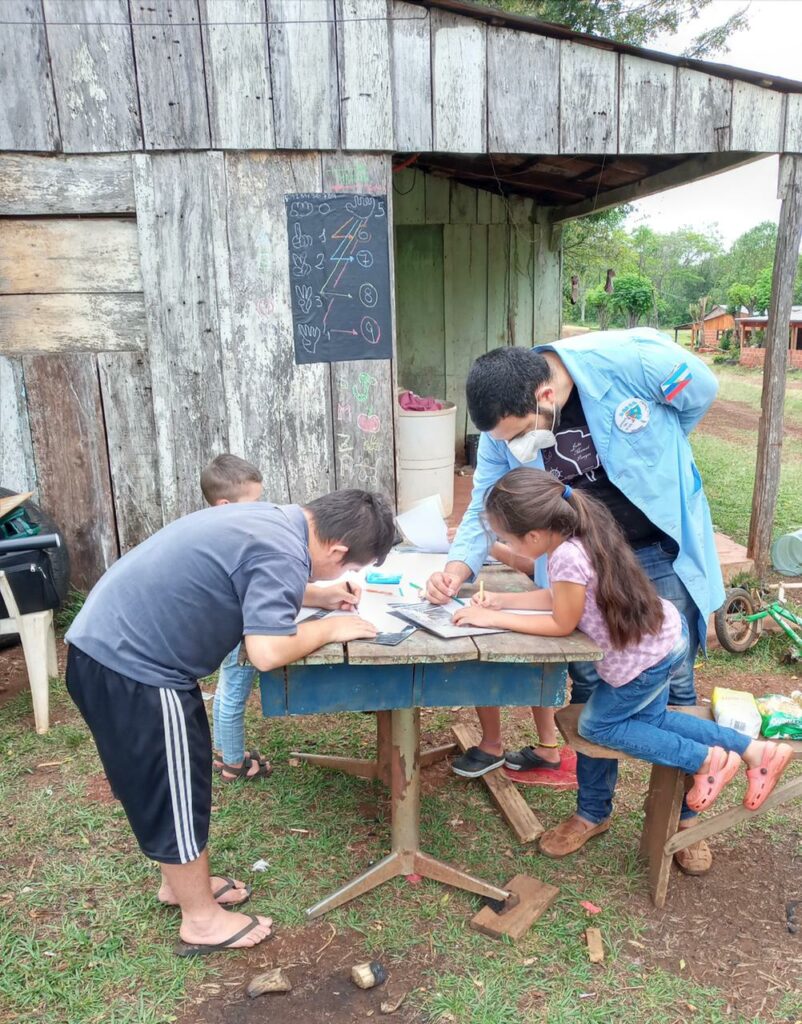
[{"x": 608, "y": 412}]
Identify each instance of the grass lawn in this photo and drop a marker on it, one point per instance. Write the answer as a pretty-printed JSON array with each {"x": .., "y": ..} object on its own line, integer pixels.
[{"x": 726, "y": 455}]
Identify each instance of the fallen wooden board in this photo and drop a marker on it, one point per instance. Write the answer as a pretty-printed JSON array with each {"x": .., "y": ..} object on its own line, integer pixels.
[
  {"x": 595, "y": 945},
  {"x": 520, "y": 816},
  {"x": 534, "y": 899}
]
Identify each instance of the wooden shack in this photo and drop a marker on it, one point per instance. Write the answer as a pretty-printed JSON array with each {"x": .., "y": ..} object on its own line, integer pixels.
[
  {"x": 707, "y": 332},
  {"x": 146, "y": 297}
]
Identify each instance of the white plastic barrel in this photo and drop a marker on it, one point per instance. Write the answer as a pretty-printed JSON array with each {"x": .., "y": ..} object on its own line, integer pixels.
[
  {"x": 786, "y": 554},
  {"x": 426, "y": 443}
]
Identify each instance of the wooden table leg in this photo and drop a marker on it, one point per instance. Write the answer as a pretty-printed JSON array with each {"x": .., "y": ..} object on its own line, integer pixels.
[
  {"x": 380, "y": 767},
  {"x": 663, "y": 805},
  {"x": 406, "y": 856}
]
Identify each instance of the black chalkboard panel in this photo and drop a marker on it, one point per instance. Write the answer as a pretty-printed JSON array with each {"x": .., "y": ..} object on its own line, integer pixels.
[{"x": 339, "y": 276}]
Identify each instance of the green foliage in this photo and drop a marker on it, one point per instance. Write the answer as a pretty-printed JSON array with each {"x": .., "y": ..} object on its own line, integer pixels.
[
  {"x": 750, "y": 253},
  {"x": 739, "y": 295},
  {"x": 633, "y": 297},
  {"x": 600, "y": 306},
  {"x": 725, "y": 342},
  {"x": 763, "y": 289},
  {"x": 632, "y": 21}
]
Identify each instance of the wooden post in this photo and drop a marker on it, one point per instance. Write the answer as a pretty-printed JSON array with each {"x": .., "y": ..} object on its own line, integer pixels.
[{"x": 769, "y": 438}]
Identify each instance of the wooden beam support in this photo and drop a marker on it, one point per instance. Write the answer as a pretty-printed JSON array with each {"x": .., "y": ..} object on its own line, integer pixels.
[
  {"x": 690, "y": 170},
  {"x": 770, "y": 431}
]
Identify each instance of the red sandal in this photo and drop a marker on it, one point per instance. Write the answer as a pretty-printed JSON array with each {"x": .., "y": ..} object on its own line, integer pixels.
[
  {"x": 707, "y": 785},
  {"x": 762, "y": 780}
]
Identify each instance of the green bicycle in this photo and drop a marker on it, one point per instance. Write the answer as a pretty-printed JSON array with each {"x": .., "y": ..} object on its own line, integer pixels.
[{"x": 739, "y": 621}]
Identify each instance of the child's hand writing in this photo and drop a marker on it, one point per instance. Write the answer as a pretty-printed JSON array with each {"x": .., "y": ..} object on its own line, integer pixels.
[
  {"x": 488, "y": 599},
  {"x": 473, "y": 616},
  {"x": 339, "y": 598}
]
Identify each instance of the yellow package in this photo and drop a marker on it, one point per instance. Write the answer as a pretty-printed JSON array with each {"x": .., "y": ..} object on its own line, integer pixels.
[{"x": 737, "y": 709}]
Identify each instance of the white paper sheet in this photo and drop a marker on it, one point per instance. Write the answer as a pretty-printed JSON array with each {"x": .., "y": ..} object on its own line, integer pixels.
[{"x": 424, "y": 527}]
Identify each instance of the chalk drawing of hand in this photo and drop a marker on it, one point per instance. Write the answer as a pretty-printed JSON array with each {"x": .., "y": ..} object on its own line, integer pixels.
[
  {"x": 301, "y": 208},
  {"x": 300, "y": 265},
  {"x": 304, "y": 295},
  {"x": 361, "y": 206},
  {"x": 309, "y": 336},
  {"x": 300, "y": 240}
]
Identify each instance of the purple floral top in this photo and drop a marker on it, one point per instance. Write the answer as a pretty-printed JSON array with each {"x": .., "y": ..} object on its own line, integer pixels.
[{"x": 570, "y": 564}]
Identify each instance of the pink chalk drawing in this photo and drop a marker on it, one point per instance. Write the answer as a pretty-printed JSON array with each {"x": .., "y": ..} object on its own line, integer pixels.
[
  {"x": 368, "y": 424},
  {"x": 265, "y": 308}
]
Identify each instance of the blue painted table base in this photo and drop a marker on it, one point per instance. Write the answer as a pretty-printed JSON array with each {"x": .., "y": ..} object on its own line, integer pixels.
[{"x": 403, "y": 689}]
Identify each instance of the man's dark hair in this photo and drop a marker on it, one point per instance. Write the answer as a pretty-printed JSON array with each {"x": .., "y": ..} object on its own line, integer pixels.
[
  {"x": 225, "y": 476},
  {"x": 361, "y": 520},
  {"x": 503, "y": 383}
]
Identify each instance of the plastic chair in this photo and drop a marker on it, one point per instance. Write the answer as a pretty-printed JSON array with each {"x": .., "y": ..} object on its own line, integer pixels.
[{"x": 39, "y": 647}]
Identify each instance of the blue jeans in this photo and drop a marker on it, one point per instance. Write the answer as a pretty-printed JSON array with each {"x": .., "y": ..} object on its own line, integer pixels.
[
  {"x": 634, "y": 719},
  {"x": 597, "y": 776},
  {"x": 234, "y": 685}
]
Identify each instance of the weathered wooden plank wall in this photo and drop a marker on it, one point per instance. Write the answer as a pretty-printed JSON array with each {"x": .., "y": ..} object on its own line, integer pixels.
[
  {"x": 17, "y": 469},
  {"x": 237, "y": 67},
  {"x": 33, "y": 186},
  {"x": 28, "y": 118},
  {"x": 72, "y": 464},
  {"x": 383, "y": 75},
  {"x": 282, "y": 412},
  {"x": 175, "y": 222},
  {"x": 77, "y": 322},
  {"x": 94, "y": 79}
]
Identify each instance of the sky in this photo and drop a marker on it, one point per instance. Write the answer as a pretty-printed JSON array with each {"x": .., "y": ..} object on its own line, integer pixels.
[{"x": 741, "y": 198}]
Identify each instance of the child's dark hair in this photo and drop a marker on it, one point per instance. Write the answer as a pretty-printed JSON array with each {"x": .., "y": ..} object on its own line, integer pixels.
[
  {"x": 531, "y": 499},
  {"x": 225, "y": 477},
  {"x": 503, "y": 383},
  {"x": 362, "y": 520}
]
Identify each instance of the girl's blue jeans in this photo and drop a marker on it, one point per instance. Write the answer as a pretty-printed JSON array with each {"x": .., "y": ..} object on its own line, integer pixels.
[
  {"x": 234, "y": 685},
  {"x": 597, "y": 776},
  {"x": 634, "y": 719}
]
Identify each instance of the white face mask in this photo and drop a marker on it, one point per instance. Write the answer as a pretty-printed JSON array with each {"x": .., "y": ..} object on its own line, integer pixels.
[{"x": 526, "y": 446}]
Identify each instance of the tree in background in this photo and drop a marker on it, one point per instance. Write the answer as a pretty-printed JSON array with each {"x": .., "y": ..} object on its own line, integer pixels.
[
  {"x": 591, "y": 245},
  {"x": 633, "y": 297},
  {"x": 632, "y": 21},
  {"x": 600, "y": 306},
  {"x": 680, "y": 264},
  {"x": 763, "y": 289},
  {"x": 739, "y": 295},
  {"x": 749, "y": 254}
]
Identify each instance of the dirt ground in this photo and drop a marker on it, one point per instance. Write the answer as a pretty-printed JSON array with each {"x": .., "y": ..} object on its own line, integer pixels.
[{"x": 729, "y": 421}]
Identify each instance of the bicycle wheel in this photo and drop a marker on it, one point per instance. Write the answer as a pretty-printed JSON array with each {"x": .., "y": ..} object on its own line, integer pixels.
[{"x": 734, "y": 634}]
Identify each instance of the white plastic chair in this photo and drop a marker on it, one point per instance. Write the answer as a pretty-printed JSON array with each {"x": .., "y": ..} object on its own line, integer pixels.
[{"x": 39, "y": 647}]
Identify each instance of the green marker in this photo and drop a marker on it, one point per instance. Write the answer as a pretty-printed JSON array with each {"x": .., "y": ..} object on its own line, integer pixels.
[{"x": 459, "y": 600}]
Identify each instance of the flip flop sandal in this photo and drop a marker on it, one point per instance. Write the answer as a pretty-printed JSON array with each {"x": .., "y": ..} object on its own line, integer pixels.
[
  {"x": 230, "y": 884},
  {"x": 762, "y": 780},
  {"x": 707, "y": 786},
  {"x": 263, "y": 772},
  {"x": 254, "y": 755},
  {"x": 202, "y": 949},
  {"x": 526, "y": 760},
  {"x": 475, "y": 763}
]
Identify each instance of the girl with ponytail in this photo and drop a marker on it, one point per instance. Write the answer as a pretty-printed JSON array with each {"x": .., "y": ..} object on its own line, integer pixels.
[{"x": 596, "y": 584}]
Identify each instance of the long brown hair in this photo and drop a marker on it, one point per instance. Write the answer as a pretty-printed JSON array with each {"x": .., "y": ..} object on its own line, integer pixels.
[{"x": 531, "y": 499}]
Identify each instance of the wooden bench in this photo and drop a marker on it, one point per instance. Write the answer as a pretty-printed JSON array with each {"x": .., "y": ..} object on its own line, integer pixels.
[
  {"x": 660, "y": 839},
  {"x": 39, "y": 648}
]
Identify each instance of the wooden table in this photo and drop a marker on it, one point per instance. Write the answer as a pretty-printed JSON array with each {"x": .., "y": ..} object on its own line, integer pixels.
[{"x": 422, "y": 672}]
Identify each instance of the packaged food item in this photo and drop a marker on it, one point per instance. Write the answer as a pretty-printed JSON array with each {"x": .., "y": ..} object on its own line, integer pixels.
[
  {"x": 736, "y": 709},
  {"x": 782, "y": 716}
]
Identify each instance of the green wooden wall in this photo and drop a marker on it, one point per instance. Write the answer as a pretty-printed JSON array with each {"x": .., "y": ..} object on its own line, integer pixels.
[{"x": 473, "y": 271}]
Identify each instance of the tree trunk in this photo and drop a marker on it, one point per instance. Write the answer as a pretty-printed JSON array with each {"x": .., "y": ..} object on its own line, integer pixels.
[{"x": 769, "y": 438}]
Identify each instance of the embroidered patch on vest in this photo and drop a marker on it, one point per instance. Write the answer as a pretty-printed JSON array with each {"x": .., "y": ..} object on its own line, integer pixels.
[
  {"x": 632, "y": 415},
  {"x": 676, "y": 382}
]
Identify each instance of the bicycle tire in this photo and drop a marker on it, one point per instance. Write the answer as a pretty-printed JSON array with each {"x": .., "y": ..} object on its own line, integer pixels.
[{"x": 737, "y": 601}]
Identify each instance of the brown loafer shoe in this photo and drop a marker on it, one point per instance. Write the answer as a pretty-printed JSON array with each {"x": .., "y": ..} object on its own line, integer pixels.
[
  {"x": 568, "y": 837},
  {"x": 694, "y": 860}
]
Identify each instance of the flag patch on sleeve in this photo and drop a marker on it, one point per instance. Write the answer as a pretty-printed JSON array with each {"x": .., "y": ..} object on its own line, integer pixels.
[{"x": 679, "y": 378}]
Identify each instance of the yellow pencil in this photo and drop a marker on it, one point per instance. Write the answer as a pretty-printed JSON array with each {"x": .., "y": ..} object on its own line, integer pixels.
[{"x": 481, "y": 590}]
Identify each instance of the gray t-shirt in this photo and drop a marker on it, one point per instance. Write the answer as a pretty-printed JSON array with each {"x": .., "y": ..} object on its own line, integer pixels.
[{"x": 168, "y": 612}]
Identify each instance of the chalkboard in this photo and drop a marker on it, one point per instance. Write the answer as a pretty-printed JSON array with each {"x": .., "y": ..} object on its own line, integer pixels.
[{"x": 339, "y": 276}]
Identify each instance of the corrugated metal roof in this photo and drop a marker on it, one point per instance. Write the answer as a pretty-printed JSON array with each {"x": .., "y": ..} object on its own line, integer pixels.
[{"x": 524, "y": 23}]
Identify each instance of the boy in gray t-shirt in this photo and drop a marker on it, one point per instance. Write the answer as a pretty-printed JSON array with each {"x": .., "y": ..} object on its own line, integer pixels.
[{"x": 164, "y": 616}]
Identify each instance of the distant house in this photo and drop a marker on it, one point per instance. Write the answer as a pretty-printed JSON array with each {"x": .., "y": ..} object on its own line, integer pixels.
[
  {"x": 707, "y": 332},
  {"x": 752, "y": 351}
]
